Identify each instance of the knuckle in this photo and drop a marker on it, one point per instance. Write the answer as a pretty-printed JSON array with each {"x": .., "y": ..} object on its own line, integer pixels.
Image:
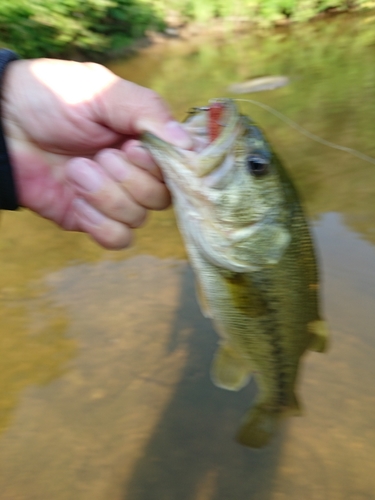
[
  {"x": 152, "y": 97},
  {"x": 122, "y": 208},
  {"x": 116, "y": 206},
  {"x": 152, "y": 100},
  {"x": 99, "y": 69}
]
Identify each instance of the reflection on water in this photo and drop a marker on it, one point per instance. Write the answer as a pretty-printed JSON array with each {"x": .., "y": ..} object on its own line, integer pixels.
[{"x": 104, "y": 385}]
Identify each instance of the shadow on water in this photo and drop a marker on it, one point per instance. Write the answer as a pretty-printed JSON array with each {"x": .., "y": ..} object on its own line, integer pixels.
[{"x": 192, "y": 453}]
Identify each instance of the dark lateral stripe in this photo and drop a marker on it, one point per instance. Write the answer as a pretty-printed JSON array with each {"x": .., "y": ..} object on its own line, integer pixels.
[{"x": 275, "y": 342}]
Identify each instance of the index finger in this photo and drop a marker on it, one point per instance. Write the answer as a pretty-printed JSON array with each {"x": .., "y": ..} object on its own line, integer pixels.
[{"x": 131, "y": 109}]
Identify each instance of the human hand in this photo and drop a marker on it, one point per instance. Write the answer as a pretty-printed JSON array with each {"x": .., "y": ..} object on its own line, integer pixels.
[{"x": 71, "y": 130}]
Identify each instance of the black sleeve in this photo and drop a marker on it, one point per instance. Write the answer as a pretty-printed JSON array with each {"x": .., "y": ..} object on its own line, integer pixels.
[{"x": 8, "y": 195}]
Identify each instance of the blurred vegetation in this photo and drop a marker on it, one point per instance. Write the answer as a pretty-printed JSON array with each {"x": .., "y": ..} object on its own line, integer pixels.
[
  {"x": 265, "y": 12},
  {"x": 71, "y": 28}
]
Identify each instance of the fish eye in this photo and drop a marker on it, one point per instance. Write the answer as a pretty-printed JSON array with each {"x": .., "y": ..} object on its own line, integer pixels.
[{"x": 257, "y": 165}]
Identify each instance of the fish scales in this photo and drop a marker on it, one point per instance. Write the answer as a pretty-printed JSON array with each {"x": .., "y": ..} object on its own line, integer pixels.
[{"x": 253, "y": 257}]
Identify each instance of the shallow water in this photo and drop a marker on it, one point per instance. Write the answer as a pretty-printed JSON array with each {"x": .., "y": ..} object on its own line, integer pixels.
[{"x": 104, "y": 385}]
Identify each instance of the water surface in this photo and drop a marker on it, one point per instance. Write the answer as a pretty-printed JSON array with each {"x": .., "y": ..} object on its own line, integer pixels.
[{"x": 104, "y": 385}]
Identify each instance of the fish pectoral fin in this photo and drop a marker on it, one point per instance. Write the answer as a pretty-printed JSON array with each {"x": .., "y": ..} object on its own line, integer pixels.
[
  {"x": 229, "y": 369},
  {"x": 278, "y": 240},
  {"x": 319, "y": 335},
  {"x": 266, "y": 246}
]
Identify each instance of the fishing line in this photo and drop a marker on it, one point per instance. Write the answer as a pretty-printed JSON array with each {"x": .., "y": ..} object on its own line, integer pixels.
[{"x": 308, "y": 134}]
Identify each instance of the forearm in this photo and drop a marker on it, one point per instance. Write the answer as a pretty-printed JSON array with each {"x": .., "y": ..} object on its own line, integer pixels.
[{"x": 8, "y": 196}]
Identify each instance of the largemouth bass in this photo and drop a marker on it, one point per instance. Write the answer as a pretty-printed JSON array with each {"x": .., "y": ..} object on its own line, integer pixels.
[{"x": 250, "y": 247}]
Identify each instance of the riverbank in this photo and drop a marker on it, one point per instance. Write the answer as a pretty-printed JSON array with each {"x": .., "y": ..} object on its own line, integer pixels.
[
  {"x": 179, "y": 29},
  {"x": 105, "y": 29}
]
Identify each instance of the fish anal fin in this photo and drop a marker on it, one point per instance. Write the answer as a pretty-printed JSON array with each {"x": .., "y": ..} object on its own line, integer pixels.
[
  {"x": 319, "y": 335},
  {"x": 229, "y": 369}
]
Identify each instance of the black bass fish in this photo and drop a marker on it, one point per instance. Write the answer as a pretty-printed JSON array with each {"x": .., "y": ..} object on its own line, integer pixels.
[{"x": 251, "y": 249}]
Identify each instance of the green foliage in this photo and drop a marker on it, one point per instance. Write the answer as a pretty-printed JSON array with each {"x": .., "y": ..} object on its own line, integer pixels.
[
  {"x": 129, "y": 19},
  {"x": 264, "y": 12},
  {"x": 70, "y": 27}
]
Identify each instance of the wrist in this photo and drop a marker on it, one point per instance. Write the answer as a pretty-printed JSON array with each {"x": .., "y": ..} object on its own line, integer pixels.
[{"x": 8, "y": 195}]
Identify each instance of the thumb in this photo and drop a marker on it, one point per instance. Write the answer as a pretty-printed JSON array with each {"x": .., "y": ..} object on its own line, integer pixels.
[{"x": 131, "y": 109}]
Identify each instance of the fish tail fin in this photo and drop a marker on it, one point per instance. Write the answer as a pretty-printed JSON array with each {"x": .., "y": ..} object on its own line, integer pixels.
[
  {"x": 261, "y": 423},
  {"x": 319, "y": 335}
]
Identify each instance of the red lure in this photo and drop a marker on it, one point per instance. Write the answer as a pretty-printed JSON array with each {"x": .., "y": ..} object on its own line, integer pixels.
[{"x": 215, "y": 113}]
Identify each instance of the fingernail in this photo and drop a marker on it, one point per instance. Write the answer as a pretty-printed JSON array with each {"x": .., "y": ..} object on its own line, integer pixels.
[
  {"x": 174, "y": 133},
  {"x": 81, "y": 172},
  {"x": 87, "y": 212}
]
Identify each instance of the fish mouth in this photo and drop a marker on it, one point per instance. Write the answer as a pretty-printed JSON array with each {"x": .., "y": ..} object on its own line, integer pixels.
[{"x": 207, "y": 156}]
